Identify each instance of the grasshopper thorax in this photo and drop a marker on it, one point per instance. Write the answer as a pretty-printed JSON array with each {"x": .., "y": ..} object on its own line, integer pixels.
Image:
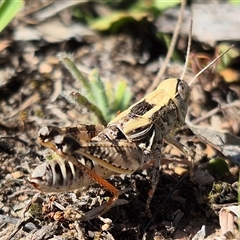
[
  {"x": 179, "y": 92},
  {"x": 174, "y": 87}
]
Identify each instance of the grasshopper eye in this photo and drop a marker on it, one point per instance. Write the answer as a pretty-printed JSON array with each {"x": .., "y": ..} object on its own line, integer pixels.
[{"x": 183, "y": 90}]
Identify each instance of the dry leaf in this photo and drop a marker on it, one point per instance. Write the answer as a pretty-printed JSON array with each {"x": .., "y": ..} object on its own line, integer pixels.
[
  {"x": 230, "y": 75},
  {"x": 226, "y": 143},
  {"x": 226, "y": 219}
]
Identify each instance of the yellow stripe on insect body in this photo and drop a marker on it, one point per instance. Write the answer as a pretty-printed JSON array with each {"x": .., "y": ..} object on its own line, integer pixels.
[{"x": 164, "y": 109}]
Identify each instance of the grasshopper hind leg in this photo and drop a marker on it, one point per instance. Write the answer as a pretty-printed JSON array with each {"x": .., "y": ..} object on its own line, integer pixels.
[
  {"x": 66, "y": 151},
  {"x": 63, "y": 143}
]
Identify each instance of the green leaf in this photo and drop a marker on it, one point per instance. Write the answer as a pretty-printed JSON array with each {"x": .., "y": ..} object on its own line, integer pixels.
[
  {"x": 116, "y": 19},
  {"x": 99, "y": 93},
  {"x": 8, "y": 10},
  {"x": 235, "y": 2},
  {"x": 175, "y": 56},
  {"x": 218, "y": 168},
  {"x": 97, "y": 96},
  {"x": 66, "y": 59},
  {"x": 80, "y": 100},
  {"x": 123, "y": 96},
  {"x": 163, "y": 4},
  {"x": 227, "y": 58}
]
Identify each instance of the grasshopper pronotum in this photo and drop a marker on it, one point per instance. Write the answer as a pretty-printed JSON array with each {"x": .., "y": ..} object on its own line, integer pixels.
[{"x": 85, "y": 155}]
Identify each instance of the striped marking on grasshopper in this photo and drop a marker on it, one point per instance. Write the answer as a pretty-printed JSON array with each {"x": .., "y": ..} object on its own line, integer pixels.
[
  {"x": 82, "y": 162},
  {"x": 57, "y": 174}
]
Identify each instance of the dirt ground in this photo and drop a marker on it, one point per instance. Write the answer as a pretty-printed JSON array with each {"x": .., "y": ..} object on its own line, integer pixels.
[{"x": 31, "y": 82}]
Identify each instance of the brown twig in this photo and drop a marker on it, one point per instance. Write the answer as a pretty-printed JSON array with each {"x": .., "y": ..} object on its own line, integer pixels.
[
  {"x": 28, "y": 102},
  {"x": 23, "y": 219},
  {"x": 216, "y": 110}
]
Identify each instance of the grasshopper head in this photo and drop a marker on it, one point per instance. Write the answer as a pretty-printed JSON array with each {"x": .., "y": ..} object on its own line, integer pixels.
[
  {"x": 183, "y": 90},
  {"x": 181, "y": 99}
]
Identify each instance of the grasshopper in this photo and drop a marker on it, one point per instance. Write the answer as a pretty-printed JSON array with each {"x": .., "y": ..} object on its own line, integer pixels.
[{"x": 88, "y": 154}]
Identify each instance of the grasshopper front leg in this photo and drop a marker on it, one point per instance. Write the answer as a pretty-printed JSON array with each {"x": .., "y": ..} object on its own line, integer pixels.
[
  {"x": 154, "y": 180},
  {"x": 156, "y": 155}
]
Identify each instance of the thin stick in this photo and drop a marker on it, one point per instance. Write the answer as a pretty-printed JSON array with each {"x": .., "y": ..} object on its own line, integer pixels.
[
  {"x": 188, "y": 50},
  {"x": 159, "y": 76},
  {"x": 216, "y": 110}
]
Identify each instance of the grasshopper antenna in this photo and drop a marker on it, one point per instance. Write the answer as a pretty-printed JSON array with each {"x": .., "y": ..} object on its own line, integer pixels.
[
  {"x": 188, "y": 50},
  {"x": 210, "y": 64}
]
